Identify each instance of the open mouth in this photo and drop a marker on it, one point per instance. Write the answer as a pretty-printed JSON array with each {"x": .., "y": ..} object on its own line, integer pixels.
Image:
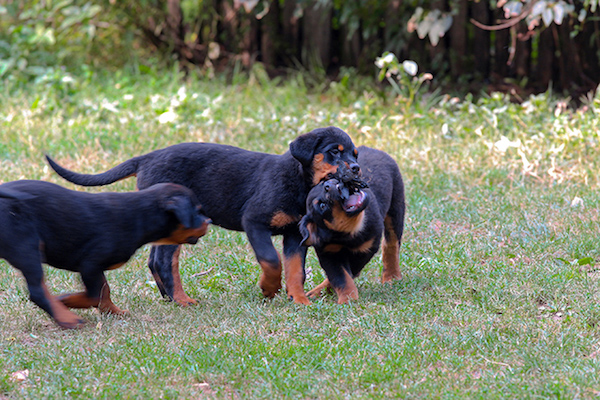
[{"x": 355, "y": 203}]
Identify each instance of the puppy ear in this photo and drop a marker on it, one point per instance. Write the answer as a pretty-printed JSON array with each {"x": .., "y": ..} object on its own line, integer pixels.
[
  {"x": 303, "y": 147},
  {"x": 307, "y": 227},
  {"x": 184, "y": 212}
]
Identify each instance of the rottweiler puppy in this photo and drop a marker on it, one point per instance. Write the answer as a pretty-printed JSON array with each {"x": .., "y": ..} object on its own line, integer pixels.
[
  {"x": 260, "y": 194},
  {"x": 88, "y": 233},
  {"x": 345, "y": 221}
]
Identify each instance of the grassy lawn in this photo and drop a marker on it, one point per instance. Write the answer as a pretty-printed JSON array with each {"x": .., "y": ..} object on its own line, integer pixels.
[{"x": 499, "y": 296}]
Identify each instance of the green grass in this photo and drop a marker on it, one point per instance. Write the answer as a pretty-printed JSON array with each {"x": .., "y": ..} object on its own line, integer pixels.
[{"x": 499, "y": 296}]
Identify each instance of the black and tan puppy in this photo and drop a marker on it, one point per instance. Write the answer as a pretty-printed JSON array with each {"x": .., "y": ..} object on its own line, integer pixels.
[
  {"x": 88, "y": 233},
  {"x": 345, "y": 221},
  {"x": 261, "y": 194}
]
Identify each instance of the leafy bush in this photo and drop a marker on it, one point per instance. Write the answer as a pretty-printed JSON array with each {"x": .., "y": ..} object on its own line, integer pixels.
[{"x": 42, "y": 40}]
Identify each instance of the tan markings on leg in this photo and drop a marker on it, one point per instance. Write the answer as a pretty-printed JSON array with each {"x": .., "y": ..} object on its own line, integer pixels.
[
  {"x": 61, "y": 314},
  {"x": 363, "y": 248},
  {"x": 270, "y": 279},
  {"x": 281, "y": 219},
  {"x": 333, "y": 248},
  {"x": 321, "y": 169},
  {"x": 179, "y": 295},
  {"x": 348, "y": 292},
  {"x": 294, "y": 279},
  {"x": 343, "y": 223},
  {"x": 390, "y": 255},
  {"x": 78, "y": 300},
  {"x": 105, "y": 304},
  {"x": 318, "y": 290}
]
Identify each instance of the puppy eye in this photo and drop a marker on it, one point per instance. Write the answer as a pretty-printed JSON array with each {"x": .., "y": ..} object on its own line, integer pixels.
[
  {"x": 334, "y": 152},
  {"x": 323, "y": 206}
]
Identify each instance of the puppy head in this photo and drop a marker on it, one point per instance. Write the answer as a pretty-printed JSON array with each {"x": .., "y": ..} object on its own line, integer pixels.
[
  {"x": 324, "y": 150},
  {"x": 183, "y": 204},
  {"x": 332, "y": 206}
]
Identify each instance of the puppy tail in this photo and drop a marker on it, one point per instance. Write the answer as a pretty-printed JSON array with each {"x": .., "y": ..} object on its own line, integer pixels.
[{"x": 122, "y": 171}]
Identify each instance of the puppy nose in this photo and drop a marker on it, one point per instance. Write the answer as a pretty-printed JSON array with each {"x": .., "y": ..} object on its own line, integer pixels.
[{"x": 355, "y": 168}]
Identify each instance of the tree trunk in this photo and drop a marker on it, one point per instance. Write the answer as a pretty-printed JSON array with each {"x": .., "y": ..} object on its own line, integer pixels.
[
  {"x": 522, "y": 60},
  {"x": 270, "y": 35},
  {"x": 291, "y": 32},
  {"x": 458, "y": 39},
  {"x": 316, "y": 48},
  {"x": 481, "y": 39},
  {"x": 545, "y": 61}
]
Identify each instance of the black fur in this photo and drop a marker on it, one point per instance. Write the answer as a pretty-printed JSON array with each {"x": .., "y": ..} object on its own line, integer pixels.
[
  {"x": 88, "y": 233},
  {"x": 343, "y": 254},
  {"x": 261, "y": 194}
]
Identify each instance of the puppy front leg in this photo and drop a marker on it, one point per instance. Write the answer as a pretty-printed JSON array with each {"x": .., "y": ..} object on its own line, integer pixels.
[
  {"x": 294, "y": 258},
  {"x": 40, "y": 295},
  {"x": 164, "y": 265},
  {"x": 340, "y": 279}
]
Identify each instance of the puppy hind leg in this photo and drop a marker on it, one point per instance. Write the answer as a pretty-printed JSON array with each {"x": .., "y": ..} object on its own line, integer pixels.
[
  {"x": 390, "y": 253},
  {"x": 268, "y": 258},
  {"x": 97, "y": 294},
  {"x": 318, "y": 290}
]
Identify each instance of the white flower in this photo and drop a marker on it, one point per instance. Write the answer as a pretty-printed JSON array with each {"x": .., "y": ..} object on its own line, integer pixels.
[
  {"x": 577, "y": 202},
  {"x": 381, "y": 62},
  {"x": 410, "y": 67},
  {"x": 505, "y": 143},
  {"x": 166, "y": 117},
  {"x": 181, "y": 93}
]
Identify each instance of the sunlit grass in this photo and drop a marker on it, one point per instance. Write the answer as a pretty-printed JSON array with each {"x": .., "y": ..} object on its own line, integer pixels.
[{"x": 499, "y": 296}]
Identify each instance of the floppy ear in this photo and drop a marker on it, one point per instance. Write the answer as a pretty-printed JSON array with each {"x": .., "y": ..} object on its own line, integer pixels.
[
  {"x": 16, "y": 195},
  {"x": 184, "y": 212},
  {"x": 307, "y": 227},
  {"x": 303, "y": 147}
]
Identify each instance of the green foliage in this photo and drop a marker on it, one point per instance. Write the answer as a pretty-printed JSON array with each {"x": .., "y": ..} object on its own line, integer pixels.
[
  {"x": 406, "y": 85},
  {"x": 44, "y": 40},
  {"x": 500, "y": 289}
]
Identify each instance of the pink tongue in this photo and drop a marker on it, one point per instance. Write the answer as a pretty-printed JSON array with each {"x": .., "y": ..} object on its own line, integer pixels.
[{"x": 354, "y": 201}]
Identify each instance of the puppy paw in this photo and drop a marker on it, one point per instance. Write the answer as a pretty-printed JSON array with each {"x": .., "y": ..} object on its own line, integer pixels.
[
  {"x": 391, "y": 277},
  {"x": 269, "y": 287},
  {"x": 76, "y": 323},
  {"x": 300, "y": 299},
  {"x": 185, "y": 300}
]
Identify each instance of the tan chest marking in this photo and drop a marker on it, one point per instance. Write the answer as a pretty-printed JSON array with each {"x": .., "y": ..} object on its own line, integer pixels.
[{"x": 343, "y": 223}]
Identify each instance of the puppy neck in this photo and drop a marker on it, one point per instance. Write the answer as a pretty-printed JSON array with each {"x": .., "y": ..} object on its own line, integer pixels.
[{"x": 341, "y": 222}]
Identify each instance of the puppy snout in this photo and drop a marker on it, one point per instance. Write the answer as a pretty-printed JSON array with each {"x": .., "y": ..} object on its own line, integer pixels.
[{"x": 355, "y": 168}]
